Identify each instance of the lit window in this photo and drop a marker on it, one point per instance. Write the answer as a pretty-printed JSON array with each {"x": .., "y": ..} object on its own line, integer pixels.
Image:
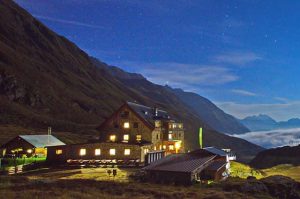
[
  {"x": 82, "y": 152},
  {"x": 112, "y": 138},
  {"x": 126, "y": 125},
  {"x": 125, "y": 138},
  {"x": 160, "y": 147},
  {"x": 58, "y": 151},
  {"x": 171, "y": 147},
  {"x": 170, "y": 136},
  {"x": 146, "y": 151},
  {"x": 164, "y": 147},
  {"x": 154, "y": 148},
  {"x": 170, "y": 126},
  {"x": 138, "y": 138},
  {"x": 127, "y": 152},
  {"x": 29, "y": 150},
  {"x": 174, "y": 125},
  {"x": 180, "y": 126},
  {"x": 112, "y": 151},
  {"x": 97, "y": 151}
]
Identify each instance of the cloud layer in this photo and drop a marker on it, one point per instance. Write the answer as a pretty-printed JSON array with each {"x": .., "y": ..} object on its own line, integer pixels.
[
  {"x": 237, "y": 58},
  {"x": 274, "y": 138},
  {"x": 243, "y": 92},
  {"x": 63, "y": 21}
]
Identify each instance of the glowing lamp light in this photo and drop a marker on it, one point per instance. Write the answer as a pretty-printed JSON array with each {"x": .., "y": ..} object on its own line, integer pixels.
[
  {"x": 177, "y": 145},
  {"x": 29, "y": 150}
]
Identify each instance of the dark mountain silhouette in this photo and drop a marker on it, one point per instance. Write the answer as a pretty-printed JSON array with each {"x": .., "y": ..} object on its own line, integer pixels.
[
  {"x": 266, "y": 123},
  {"x": 210, "y": 113},
  {"x": 46, "y": 80},
  {"x": 277, "y": 156}
]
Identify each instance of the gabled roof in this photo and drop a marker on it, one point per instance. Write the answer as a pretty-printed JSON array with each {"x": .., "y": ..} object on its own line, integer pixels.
[
  {"x": 216, "y": 165},
  {"x": 180, "y": 163},
  {"x": 215, "y": 151},
  {"x": 148, "y": 113},
  {"x": 41, "y": 140}
]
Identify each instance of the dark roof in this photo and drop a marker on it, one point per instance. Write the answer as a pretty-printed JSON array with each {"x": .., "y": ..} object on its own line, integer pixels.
[
  {"x": 216, "y": 165},
  {"x": 148, "y": 113},
  {"x": 180, "y": 163},
  {"x": 114, "y": 143},
  {"x": 41, "y": 140},
  {"x": 215, "y": 151}
]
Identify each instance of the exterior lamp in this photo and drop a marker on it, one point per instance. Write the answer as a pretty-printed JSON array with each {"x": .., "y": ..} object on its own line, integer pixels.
[
  {"x": 177, "y": 146},
  {"x": 29, "y": 150}
]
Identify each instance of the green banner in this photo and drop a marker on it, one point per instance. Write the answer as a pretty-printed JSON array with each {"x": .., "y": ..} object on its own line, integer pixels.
[{"x": 201, "y": 137}]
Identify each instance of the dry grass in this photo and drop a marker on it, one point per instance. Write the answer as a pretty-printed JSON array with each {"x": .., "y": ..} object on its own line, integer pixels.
[
  {"x": 286, "y": 170},
  {"x": 95, "y": 183}
]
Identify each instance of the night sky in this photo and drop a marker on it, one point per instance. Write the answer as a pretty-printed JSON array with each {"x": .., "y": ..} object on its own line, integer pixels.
[{"x": 242, "y": 55}]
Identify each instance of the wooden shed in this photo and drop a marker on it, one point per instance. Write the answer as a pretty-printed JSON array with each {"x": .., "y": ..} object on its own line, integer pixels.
[
  {"x": 30, "y": 145},
  {"x": 196, "y": 166}
]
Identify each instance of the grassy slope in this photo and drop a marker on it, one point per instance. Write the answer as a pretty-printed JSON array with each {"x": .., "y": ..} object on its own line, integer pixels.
[
  {"x": 286, "y": 170},
  {"x": 243, "y": 171},
  {"x": 95, "y": 183}
]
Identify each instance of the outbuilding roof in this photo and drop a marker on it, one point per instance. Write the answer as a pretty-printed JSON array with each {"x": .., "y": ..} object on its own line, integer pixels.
[
  {"x": 39, "y": 141},
  {"x": 181, "y": 163},
  {"x": 216, "y": 165},
  {"x": 215, "y": 151}
]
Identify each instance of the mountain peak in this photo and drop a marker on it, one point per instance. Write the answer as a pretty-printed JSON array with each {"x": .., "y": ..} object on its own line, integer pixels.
[{"x": 260, "y": 117}]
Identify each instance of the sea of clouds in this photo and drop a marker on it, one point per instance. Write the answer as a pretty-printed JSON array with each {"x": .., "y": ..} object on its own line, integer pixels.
[{"x": 273, "y": 138}]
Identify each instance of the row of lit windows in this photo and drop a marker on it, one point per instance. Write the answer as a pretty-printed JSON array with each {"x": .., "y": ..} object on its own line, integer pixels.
[
  {"x": 180, "y": 126},
  {"x": 97, "y": 152},
  {"x": 171, "y": 147},
  {"x": 113, "y": 138}
]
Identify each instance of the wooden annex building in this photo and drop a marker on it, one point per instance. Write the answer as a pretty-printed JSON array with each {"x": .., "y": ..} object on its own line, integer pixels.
[
  {"x": 29, "y": 145},
  {"x": 133, "y": 134},
  {"x": 201, "y": 165}
]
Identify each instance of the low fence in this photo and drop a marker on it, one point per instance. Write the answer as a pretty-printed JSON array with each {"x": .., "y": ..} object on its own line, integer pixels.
[{"x": 17, "y": 169}]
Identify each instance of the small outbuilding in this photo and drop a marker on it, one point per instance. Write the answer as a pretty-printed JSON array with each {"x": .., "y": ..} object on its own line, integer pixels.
[
  {"x": 197, "y": 166},
  {"x": 30, "y": 145}
]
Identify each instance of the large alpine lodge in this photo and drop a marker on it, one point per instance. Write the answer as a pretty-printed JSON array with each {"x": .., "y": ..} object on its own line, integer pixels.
[{"x": 134, "y": 134}]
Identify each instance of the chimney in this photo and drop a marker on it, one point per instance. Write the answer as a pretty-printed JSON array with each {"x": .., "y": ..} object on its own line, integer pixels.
[
  {"x": 49, "y": 133},
  {"x": 155, "y": 111}
]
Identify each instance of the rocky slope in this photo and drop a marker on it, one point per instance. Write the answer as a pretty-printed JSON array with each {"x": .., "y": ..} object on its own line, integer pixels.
[
  {"x": 277, "y": 156},
  {"x": 210, "y": 113},
  {"x": 46, "y": 80}
]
